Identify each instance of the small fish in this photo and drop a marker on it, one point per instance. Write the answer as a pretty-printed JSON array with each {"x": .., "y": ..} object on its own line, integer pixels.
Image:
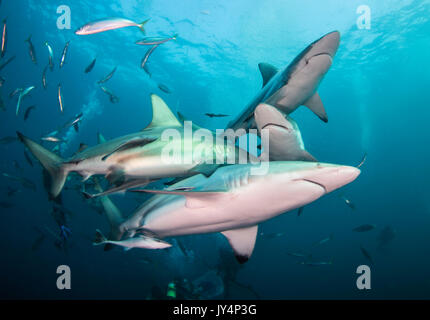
[
  {"x": 22, "y": 95},
  {"x": 364, "y": 228},
  {"x": 64, "y": 54},
  {"x": 73, "y": 122},
  {"x": 164, "y": 88},
  {"x": 7, "y": 62},
  {"x": 53, "y": 139},
  {"x": 44, "y": 78},
  {"x": 27, "y": 112},
  {"x": 298, "y": 255},
  {"x": 25, "y": 182},
  {"x": 139, "y": 241},
  {"x": 316, "y": 264},
  {"x": 6, "y": 205},
  {"x": 147, "y": 55},
  {"x": 112, "y": 97},
  {"x": 2, "y": 80},
  {"x": 32, "y": 51},
  {"x": 91, "y": 66},
  {"x": 8, "y": 140},
  {"x": 362, "y": 160},
  {"x": 15, "y": 92},
  {"x": 386, "y": 235},
  {"x": 60, "y": 98},
  {"x": 108, "y": 77},
  {"x": 348, "y": 202},
  {"x": 38, "y": 241},
  {"x": 108, "y": 24},
  {"x": 214, "y": 115},
  {"x": 4, "y": 39},
  {"x": 151, "y": 41},
  {"x": 325, "y": 240},
  {"x": 366, "y": 254},
  {"x": 272, "y": 235},
  {"x": 51, "y": 56},
  {"x": 27, "y": 157}
]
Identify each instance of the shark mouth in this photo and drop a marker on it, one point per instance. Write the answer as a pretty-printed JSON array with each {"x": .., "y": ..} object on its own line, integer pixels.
[
  {"x": 275, "y": 125},
  {"x": 316, "y": 183},
  {"x": 320, "y": 54}
]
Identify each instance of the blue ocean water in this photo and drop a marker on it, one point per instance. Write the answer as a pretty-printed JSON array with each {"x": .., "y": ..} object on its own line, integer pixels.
[{"x": 374, "y": 94}]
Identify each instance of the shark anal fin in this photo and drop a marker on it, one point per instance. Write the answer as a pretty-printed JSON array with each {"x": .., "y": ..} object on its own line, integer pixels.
[
  {"x": 267, "y": 72},
  {"x": 315, "y": 104},
  {"x": 242, "y": 241}
]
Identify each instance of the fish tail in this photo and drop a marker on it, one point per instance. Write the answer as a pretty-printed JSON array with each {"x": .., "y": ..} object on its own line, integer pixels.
[
  {"x": 142, "y": 24},
  {"x": 175, "y": 36},
  {"x": 50, "y": 161},
  {"x": 28, "y": 39},
  {"x": 99, "y": 239}
]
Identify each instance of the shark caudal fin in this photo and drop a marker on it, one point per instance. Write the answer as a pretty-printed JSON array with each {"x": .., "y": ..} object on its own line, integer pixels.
[
  {"x": 50, "y": 161},
  {"x": 113, "y": 215},
  {"x": 99, "y": 238}
]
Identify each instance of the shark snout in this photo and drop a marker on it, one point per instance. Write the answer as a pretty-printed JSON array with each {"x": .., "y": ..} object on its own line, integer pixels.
[
  {"x": 333, "y": 177},
  {"x": 328, "y": 44}
]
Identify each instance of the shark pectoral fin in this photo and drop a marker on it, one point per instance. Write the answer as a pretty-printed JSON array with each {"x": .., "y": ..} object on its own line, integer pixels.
[
  {"x": 315, "y": 104},
  {"x": 162, "y": 116},
  {"x": 267, "y": 72},
  {"x": 133, "y": 143},
  {"x": 242, "y": 241}
]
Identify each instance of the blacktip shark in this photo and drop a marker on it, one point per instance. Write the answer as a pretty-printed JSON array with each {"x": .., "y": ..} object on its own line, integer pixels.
[
  {"x": 295, "y": 85},
  {"x": 234, "y": 201},
  {"x": 137, "y": 159}
]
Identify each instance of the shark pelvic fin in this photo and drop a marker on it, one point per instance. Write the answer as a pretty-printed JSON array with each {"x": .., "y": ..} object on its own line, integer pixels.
[
  {"x": 267, "y": 72},
  {"x": 162, "y": 116},
  {"x": 315, "y": 104},
  {"x": 242, "y": 241}
]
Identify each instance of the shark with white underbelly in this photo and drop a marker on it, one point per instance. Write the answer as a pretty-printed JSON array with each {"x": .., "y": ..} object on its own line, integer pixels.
[
  {"x": 140, "y": 158},
  {"x": 234, "y": 201},
  {"x": 295, "y": 85}
]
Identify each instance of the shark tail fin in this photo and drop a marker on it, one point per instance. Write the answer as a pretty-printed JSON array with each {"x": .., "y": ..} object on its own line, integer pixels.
[
  {"x": 50, "y": 161},
  {"x": 99, "y": 238},
  {"x": 315, "y": 104}
]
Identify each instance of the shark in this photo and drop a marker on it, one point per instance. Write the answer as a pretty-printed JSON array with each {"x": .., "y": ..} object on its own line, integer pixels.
[
  {"x": 285, "y": 138},
  {"x": 295, "y": 85},
  {"x": 139, "y": 158},
  {"x": 233, "y": 201}
]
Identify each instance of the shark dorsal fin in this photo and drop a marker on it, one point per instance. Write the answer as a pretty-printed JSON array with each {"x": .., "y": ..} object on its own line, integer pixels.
[
  {"x": 267, "y": 72},
  {"x": 242, "y": 241},
  {"x": 100, "y": 138},
  {"x": 162, "y": 116}
]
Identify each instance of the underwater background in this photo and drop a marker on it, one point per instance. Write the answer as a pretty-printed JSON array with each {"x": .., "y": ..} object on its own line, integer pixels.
[{"x": 374, "y": 94}]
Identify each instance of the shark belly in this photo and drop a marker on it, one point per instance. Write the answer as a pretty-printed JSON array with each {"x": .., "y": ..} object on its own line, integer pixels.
[{"x": 244, "y": 209}]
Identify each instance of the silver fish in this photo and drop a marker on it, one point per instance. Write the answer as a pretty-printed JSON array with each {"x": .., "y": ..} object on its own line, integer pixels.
[
  {"x": 51, "y": 56},
  {"x": 147, "y": 55},
  {"x": 4, "y": 39},
  {"x": 64, "y": 54},
  {"x": 32, "y": 51},
  {"x": 150, "y": 41},
  {"x": 108, "y": 24},
  {"x": 108, "y": 77}
]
